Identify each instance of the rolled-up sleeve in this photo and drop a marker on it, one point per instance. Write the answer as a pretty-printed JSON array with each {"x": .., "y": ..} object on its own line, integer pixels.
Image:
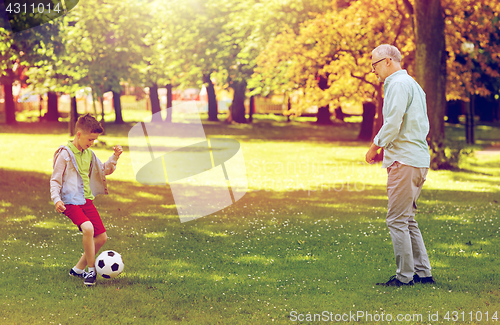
[
  {"x": 110, "y": 165},
  {"x": 395, "y": 103}
]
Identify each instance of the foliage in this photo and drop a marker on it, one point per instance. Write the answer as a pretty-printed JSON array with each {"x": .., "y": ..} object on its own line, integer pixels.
[
  {"x": 223, "y": 38},
  {"x": 100, "y": 46},
  {"x": 20, "y": 50},
  {"x": 476, "y": 23},
  {"x": 338, "y": 44},
  {"x": 197, "y": 29},
  {"x": 158, "y": 56},
  {"x": 252, "y": 23}
]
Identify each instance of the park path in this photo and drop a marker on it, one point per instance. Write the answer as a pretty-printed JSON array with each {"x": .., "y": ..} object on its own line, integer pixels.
[{"x": 492, "y": 150}]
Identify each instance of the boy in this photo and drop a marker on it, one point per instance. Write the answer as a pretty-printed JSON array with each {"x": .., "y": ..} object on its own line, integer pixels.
[{"x": 77, "y": 178}]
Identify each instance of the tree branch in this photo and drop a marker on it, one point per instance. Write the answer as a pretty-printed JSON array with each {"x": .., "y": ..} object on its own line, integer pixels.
[
  {"x": 363, "y": 79},
  {"x": 399, "y": 29},
  {"x": 411, "y": 11}
]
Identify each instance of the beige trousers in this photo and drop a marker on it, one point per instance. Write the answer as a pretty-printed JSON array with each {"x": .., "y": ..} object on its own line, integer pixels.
[{"x": 404, "y": 184}]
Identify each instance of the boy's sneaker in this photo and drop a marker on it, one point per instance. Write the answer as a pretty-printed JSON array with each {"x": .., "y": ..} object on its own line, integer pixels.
[
  {"x": 78, "y": 275},
  {"x": 423, "y": 280},
  {"x": 90, "y": 279}
]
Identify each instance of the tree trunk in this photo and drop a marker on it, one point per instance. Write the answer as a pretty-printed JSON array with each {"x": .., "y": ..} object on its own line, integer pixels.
[
  {"x": 366, "y": 130},
  {"x": 168, "y": 119},
  {"x": 40, "y": 107},
  {"x": 155, "y": 103},
  {"x": 453, "y": 111},
  {"x": 339, "y": 115},
  {"x": 324, "y": 116},
  {"x": 94, "y": 96},
  {"x": 117, "y": 105},
  {"x": 10, "y": 107},
  {"x": 497, "y": 112},
  {"x": 238, "y": 104},
  {"x": 52, "y": 107},
  {"x": 379, "y": 118},
  {"x": 212, "y": 99},
  {"x": 469, "y": 121},
  {"x": 73, "y": 116},
  {"x": 430, "y": 72},
  {"x": 102, "y": 121},
  {"x": 288, "y": 108},
  {"x": 252, "y": 109}
]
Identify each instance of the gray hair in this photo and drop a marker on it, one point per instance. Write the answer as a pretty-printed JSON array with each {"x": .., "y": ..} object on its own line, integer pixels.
[{"x": 388, "y": 51}]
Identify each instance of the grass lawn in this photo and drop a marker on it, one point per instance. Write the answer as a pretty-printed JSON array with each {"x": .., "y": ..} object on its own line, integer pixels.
[{"x": 308, "y": 238}]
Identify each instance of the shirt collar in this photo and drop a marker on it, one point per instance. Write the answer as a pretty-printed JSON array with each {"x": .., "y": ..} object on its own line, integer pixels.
[
  {"x": 74, "y": 149},
  {"x": 394, "y": 75}
]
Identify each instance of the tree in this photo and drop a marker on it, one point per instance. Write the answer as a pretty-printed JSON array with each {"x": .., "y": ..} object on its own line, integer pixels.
[
  {"x": 366, "y": 130},
  {"x": 430, "y": 72},
  {"x": 101, "y": 47},
  {"x": 160, "y": 54},
  {"x": 223, "y": 39},
  {"x": 336, "y": 44},
  {"x": 475, "y": 25},
  {"x": 440, "y": 57},
  {"x": 98, "y": 50},
  {"x": 199, "y": 27},
  {"x": 253, "y": 24},
  {"x": 19, "y": 51}
]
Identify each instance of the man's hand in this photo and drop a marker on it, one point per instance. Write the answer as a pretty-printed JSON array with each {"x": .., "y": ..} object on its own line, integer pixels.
[
  {"x": 371, "y": 154},
  {"x": 118, "y": 151},
  {"x": 60, "y": 207}
]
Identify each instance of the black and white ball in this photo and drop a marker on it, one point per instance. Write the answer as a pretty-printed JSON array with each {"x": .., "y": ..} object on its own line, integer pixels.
[{"x": 109, "y": 264}]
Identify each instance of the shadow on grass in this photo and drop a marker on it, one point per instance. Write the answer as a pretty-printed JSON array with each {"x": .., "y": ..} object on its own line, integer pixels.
[
  {"x": 491, "y": 182},
  {"x": 25, "y": 197},
  {"x": 26, "y": 193}
]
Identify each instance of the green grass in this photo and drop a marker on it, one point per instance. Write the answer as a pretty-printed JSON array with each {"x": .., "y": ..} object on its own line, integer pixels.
[{"x": 309, "y": 236}]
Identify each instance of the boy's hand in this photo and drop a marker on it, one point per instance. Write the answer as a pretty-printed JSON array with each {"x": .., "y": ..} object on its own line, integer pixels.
[
  {"x": 60, "y": 207},
  {"x": 118, "y": 151}
]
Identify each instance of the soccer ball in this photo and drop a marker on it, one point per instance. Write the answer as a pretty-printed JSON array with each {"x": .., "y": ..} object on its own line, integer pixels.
[{"x": 109, "y": 264}]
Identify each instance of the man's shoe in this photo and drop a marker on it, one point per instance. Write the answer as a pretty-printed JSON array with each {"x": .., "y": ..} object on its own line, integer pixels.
[
  {"x": 90, "y": 279},
  {"x": 81, "y": 275},
  {"x": 394, "y": 282},
  {"x": 424, "y": 280}
]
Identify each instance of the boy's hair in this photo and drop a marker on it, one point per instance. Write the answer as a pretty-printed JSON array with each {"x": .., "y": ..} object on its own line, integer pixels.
[{"x": 89, "y": 124}]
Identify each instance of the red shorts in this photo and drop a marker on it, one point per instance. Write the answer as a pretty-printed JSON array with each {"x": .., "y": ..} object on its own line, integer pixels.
[{"x": 87, "y": 212}]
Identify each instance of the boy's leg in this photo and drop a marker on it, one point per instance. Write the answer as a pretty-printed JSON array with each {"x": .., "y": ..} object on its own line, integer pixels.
[
  {"x": 77, "y": 215},
  {"x": 88, "y": 243},
  {"x": 99, "y": 241},
  {"x": 88, "y": 220},
  {"x": 100, "y": 236},
  {"x": 89, "y": 248}
]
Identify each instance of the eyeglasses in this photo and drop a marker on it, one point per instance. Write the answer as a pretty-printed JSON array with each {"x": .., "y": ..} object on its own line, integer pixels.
[{"x": 374, "y": 64}]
